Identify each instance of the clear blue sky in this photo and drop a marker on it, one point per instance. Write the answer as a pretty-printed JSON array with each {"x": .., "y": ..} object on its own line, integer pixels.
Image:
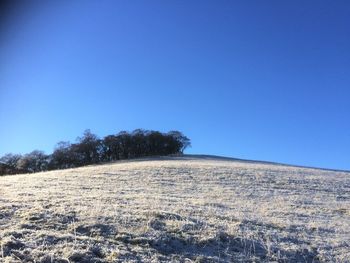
[{"x": 265, "y": 80}]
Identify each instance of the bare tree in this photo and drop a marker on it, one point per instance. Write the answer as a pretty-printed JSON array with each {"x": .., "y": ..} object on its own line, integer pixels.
[{"x": 35, "y": 161}]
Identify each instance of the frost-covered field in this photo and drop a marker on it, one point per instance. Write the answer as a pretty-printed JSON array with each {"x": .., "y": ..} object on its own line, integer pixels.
[{"x": 185, "y": 209}]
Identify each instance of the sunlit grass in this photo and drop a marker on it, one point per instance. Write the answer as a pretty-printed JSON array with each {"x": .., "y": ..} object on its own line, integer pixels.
[{"x": 177, "y": 209}]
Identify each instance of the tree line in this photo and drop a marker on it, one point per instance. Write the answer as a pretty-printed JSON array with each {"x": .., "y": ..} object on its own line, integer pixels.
[{"x": 90, "y": 149}]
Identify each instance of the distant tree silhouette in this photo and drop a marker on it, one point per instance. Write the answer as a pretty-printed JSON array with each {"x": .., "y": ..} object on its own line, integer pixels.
[
  {"x": 62, "y": 157},
  {"x": 139, "y": 143},
  {"x": 181, "y": 142},
  {"x": 155, "y": 143},
  {"x": 110, "y": 148},
  {"x": 8, "y": 164},
  {"x": 89, "y": 149},
  {"x": 10, "y": 159},
  {"x": 35, "y": 161},
  {"x": 124, "y": 140}
]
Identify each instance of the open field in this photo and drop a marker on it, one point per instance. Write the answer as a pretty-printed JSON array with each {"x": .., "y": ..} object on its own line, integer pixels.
[{"x": 184, "y": 209}]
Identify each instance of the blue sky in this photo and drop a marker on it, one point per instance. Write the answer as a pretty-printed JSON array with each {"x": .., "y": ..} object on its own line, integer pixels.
[{"x": 264, "y": 80}]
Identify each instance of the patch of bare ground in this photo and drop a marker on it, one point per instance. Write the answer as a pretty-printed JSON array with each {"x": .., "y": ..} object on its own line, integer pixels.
[{"x": 176, "y": 210}]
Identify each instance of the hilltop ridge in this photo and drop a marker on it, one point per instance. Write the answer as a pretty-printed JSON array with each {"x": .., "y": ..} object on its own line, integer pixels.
[{"x": 223, "y": 158}]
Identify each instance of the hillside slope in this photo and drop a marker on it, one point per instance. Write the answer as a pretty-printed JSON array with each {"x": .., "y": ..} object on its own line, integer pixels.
[{"x": 185, "y": 209}]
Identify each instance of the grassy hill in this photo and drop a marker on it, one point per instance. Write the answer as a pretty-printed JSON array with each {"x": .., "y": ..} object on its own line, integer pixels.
[{"x": 179, "y": 209}]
